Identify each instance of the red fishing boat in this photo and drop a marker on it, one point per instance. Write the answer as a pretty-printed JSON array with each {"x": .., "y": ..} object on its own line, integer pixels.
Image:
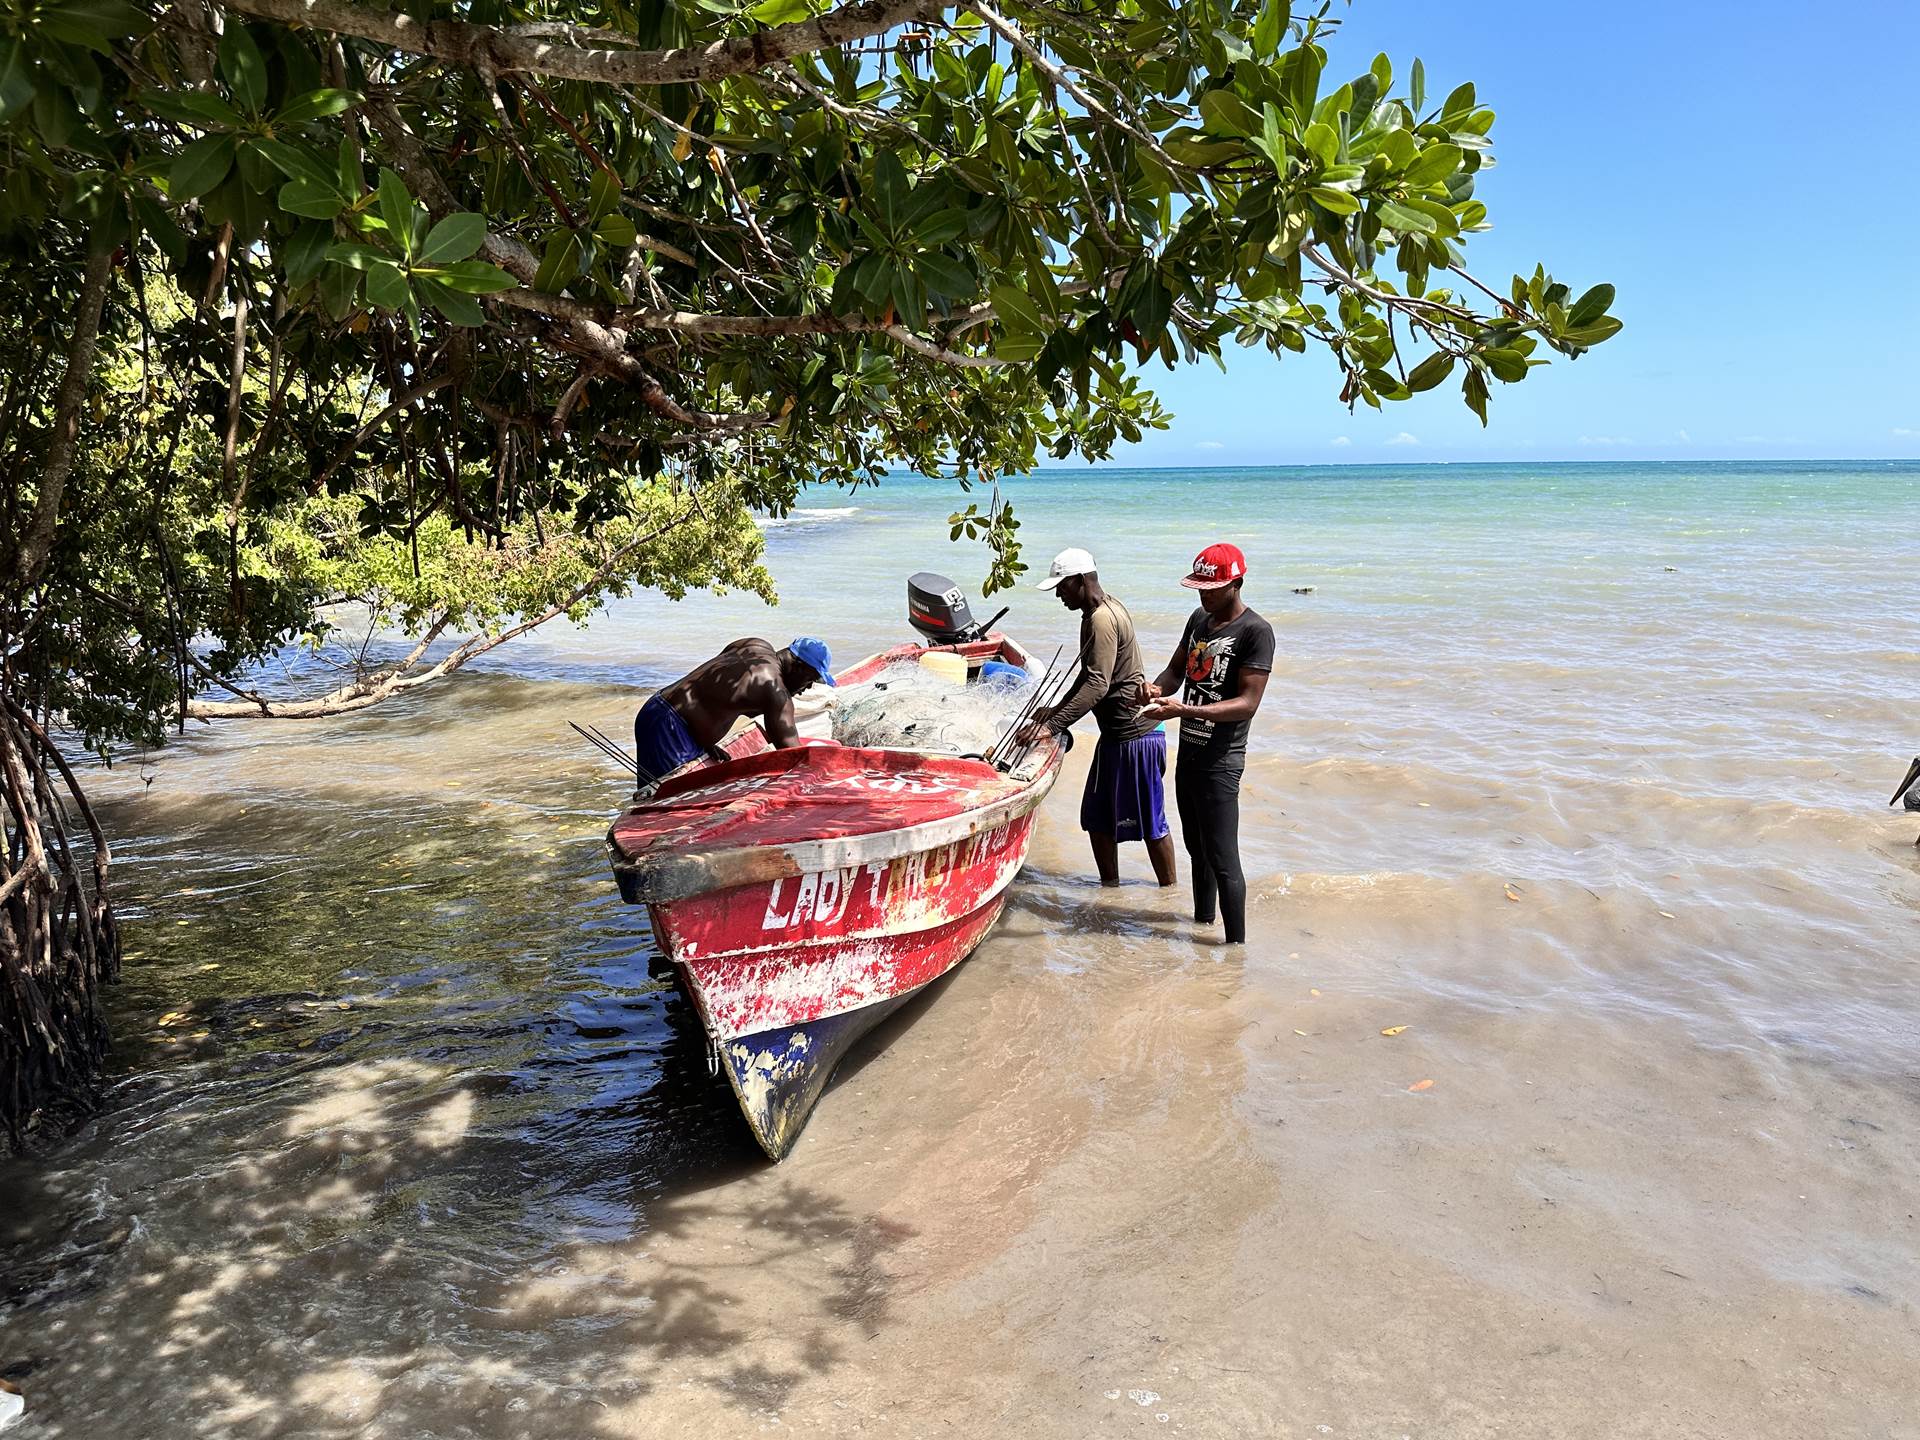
[{"x": 803, "y": 895}]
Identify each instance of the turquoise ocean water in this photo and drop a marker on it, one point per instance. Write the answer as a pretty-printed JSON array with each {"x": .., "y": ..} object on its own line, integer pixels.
[
  {"x": 1645, "y": 680},
  {"x": 1744, "y": 621}
]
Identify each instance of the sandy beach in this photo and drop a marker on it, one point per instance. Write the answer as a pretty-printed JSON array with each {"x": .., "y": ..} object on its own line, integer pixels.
[{"x": 409, "y": 1137}]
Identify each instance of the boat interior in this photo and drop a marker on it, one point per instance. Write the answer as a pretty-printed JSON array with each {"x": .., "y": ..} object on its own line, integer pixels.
[{"x": 768, "y": 797}]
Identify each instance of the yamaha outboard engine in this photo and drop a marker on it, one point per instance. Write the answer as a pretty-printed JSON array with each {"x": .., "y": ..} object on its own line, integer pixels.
[{"x": 938, "y": 609}]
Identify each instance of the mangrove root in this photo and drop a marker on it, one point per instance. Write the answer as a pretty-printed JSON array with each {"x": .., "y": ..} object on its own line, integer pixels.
[{"x": 58, "y": 940}]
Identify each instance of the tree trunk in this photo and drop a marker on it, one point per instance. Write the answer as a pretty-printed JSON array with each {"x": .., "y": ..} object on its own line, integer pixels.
[
  {"x": 37, "y": 542},
  {"x": 365, "y": 693},
  {"x": 59, "y": 942}
]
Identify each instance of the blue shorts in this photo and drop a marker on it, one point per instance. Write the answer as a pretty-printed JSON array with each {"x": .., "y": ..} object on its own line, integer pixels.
[
  {"x": 661, "y": 740},
  {"x": 1125, "y": 795}
]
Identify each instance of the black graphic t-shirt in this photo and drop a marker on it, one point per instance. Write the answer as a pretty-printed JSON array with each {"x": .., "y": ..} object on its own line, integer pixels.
[{"x": 1213, "y": 661}]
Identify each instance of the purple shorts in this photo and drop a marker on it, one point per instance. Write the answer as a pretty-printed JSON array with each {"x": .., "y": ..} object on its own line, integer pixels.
[{"x": 1125, "y": 795}]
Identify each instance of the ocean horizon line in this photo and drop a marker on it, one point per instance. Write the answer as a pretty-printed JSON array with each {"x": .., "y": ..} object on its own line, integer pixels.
[
  {"x": 1893, "y": 464},
  {"x": 1098, "y": 467}
]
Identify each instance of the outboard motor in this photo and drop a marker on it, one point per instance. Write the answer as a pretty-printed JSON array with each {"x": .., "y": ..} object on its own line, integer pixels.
[{"x": 938, "y": 609}]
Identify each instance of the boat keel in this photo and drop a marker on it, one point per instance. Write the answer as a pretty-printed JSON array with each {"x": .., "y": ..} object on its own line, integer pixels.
[{"x": 778, "y": 1074}]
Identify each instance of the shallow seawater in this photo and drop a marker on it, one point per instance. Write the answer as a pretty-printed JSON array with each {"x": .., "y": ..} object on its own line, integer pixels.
[{"x": 1576, "y": 772}]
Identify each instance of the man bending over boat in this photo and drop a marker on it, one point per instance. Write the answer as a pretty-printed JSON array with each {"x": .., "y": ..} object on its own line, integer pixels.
[
  {"x": 692, "y": 716},
  {"x": 1124, "y": 799}
]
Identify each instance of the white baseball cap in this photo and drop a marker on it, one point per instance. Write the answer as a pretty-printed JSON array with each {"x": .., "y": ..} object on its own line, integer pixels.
[{"x": 1066, "y": 563}]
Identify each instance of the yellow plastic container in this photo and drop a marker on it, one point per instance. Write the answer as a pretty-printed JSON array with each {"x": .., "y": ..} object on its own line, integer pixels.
[{"x": 947, "y": 665}]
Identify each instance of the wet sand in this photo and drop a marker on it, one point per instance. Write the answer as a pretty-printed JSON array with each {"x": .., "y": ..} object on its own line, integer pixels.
[
  {"x": 1109, "y": 1177},
  {"x": 408, "y": 1137}
]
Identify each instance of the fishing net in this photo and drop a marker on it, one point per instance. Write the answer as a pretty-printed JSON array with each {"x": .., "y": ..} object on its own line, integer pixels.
[{"x": 905, "y": 707}]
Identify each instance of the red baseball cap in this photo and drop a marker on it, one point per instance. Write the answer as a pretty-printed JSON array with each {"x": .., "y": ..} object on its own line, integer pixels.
[{"x": 1215, "y": 566}]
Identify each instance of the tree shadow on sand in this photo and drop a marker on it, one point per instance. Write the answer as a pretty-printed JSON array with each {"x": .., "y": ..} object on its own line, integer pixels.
[{"x": 341, "y": 1237}]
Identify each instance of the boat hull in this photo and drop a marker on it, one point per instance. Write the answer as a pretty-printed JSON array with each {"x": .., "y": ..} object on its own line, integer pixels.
[
  {"x": 778, "y": 1075},
  {"x": 802, "y": 895},
  {"x": 787, "y": 974}
]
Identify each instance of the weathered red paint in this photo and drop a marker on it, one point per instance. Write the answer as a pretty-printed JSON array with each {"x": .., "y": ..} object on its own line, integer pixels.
[
  {"x": 797, "y": 948},
  {"x": 784, "y": 797}
]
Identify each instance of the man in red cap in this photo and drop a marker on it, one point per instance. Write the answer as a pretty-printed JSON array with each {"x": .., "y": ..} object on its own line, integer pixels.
[{"x": 1224, "y": 658}]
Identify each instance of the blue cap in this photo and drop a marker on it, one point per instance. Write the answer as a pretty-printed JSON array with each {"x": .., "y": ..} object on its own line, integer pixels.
[{"x": 814, "y": 652}]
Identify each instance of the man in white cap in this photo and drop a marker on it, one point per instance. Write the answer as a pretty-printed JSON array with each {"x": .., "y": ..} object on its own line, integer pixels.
[{"x": 1125, "y": 796}]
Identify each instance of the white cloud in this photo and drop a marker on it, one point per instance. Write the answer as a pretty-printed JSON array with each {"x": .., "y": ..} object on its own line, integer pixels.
[
  {"x": 1606, "y": 439},
  {"x": 1403, "y": 438},
  {"x": 1208, "y": 445},
  {"x": 1343, "y": 440},
  {"x": 1905, "y": 432},
  {"x": 1685, "y": 439}
]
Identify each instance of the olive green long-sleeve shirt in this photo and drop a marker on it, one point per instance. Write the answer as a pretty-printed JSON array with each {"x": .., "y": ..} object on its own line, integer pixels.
[{"x": 1110, "y": 676}]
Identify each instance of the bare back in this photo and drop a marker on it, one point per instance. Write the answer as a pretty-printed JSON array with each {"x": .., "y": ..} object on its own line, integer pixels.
[{"x": 743, "y": 679}]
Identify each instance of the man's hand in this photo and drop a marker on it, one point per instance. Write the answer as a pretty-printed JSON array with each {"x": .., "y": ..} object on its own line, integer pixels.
[
  {"x": 1036, "y": 727},
  {"x": 1163, "y": 709},
  {"x": 1147, "y": 693}
]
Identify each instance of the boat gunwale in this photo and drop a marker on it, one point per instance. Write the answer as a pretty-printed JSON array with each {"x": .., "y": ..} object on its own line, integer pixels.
[{"x": 663, "y": 879}]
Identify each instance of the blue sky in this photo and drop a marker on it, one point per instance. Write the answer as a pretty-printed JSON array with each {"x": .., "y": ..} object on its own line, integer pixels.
[{"x": 1747, "y": 176}]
